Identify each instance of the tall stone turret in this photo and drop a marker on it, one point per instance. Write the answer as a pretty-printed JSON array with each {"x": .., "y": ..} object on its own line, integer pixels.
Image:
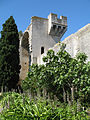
[{"x": 40, "y": 35}]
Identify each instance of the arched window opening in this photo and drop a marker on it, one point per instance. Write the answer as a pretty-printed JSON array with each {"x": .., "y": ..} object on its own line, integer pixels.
[
  {"x": 42, "y": 50},
  {"x": 59, "y": 27},
  {"x": 25, "y": 41},
  {"x": 63, "y": 27},
  {"x": 25, "y": 55}
]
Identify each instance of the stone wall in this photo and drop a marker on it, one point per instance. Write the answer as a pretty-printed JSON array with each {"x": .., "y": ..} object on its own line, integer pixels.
[
  {"x": 42, "y": 34},
  {"x": 45, "y": 33},
  {"x": 77, "y": 42},
  {"x": 41, "y": 38},
  {"x": 25, "y": 47}
]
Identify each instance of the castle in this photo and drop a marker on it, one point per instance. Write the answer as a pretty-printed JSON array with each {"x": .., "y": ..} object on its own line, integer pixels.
[{"x": 43, "y": 34}]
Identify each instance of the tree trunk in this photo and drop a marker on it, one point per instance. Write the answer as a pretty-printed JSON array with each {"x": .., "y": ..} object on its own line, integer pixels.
[
  {"x": 68, "y": 100},
  {"x": 78, "y": 105},
  {"x": 55, "y": 98},
  {"x": 72, "y": 93},
  {"x": 48, "y": 95},
  {"x": 44, "y": 93},
  {"x": 32, "y": 94},
  {"x": 64, "y": 95},
  {"x": 29, "y": 93},
  {"x": 38, "y": 92},
  {"x": 2, "y": 89}
]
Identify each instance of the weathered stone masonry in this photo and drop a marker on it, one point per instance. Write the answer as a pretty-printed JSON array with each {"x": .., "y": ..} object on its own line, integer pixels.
[
  {"x": 43, "y": 34},
  {"x": 77, "y": 42},
  {"x": 40, "y": 35}
]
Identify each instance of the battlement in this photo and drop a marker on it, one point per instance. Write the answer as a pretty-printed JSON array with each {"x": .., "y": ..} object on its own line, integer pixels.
[
  {"x": 53, "y": 18},
  {"x": 57, "y": 27}
]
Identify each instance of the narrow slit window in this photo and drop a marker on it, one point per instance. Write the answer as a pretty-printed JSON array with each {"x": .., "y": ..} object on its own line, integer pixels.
[{"x": 42, "y": 50}]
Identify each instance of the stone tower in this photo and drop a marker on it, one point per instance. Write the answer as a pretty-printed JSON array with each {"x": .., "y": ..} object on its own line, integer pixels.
[{"x": 40, "y": 35}]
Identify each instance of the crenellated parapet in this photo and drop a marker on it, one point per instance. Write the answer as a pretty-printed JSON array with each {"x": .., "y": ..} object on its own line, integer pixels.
[{"x": 57, "y": 27}]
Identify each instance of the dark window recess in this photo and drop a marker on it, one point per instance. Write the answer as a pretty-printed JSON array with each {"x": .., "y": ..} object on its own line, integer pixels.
[
  {"x": 59, "y": 27},
  {"x": 42, "y": 50},
  {"x": 63, "y": 27},
  {"x": 54, "y": 26}
]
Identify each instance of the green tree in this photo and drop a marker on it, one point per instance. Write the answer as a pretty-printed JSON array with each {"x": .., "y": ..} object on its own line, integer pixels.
[
  {"x": 66, "y": 77},
  {"x": 9, "y": 55}
]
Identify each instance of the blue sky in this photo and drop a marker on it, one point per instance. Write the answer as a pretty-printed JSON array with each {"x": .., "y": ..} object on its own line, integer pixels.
[{"x": 77, "y": 12}]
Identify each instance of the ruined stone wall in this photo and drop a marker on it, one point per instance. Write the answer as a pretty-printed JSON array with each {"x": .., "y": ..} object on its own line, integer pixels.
[
  {"x": 46, "y": 33},
  {"x": 42, "y": 34},
  {"x": 78, "y": 42},
  {"x": 25, "y": 47}
]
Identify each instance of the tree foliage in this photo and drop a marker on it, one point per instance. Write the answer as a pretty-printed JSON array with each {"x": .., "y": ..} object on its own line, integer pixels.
[
  {"x": 66, "y": 77},
  {"x": 9, "y": 55}
]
